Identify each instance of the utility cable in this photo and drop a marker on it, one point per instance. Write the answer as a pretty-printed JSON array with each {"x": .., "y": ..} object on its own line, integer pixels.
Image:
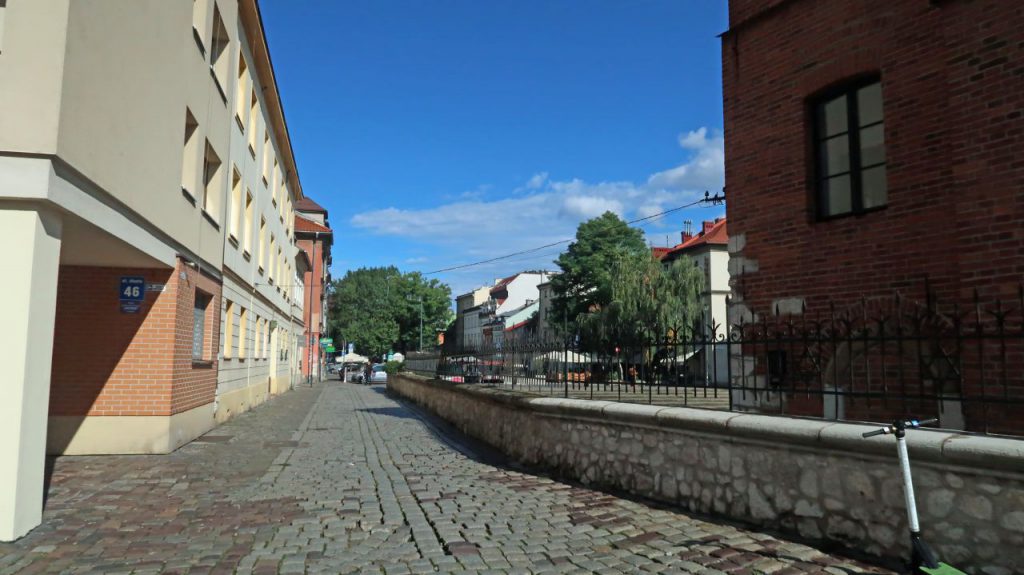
[{"x": 717, "y": 198}]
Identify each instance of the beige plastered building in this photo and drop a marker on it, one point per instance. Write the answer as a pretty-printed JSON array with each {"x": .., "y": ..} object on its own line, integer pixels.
[{"x": 147, "y": 184}]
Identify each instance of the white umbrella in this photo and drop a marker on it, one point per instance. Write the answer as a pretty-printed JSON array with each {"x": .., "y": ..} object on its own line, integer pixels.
[{"x": 354, "y": 358}]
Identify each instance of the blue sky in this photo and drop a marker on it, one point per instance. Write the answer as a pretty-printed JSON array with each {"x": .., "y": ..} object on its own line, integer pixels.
[{"x": 444, "y": 132}]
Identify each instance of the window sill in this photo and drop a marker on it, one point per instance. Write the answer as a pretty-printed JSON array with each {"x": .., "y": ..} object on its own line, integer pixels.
[
  {"x": 233, "y": 240},
  {"x": 209, "y": 218},
  {"x": 260, "y": 270},
  {"x": 241, "y": 125},
  {"x": 252, "y": 151},
  {"x": 857, "y": 214},
  {"x": 247, "y": 255},
  {"x": 265, "y": 184},
  {"x": 188, "y": 196},
  {"x": 202, "y": 364}
]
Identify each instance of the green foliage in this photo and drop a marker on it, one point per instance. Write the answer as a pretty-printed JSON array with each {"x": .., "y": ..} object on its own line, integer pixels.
[
  {"x": 393, "y": 367},
  {"x": 649, "y": 301},
  {"x": 585, "y": 283},
  {"x": 379, "y": 309}
]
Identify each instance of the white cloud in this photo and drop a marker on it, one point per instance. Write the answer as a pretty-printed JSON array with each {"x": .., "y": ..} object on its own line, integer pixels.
[
  {"x": 416, "y": 260},
  {"x": 586, "y": 207},
  {"x": 651, "y": 210},
  {"x": 537, "y": 181},
  {"x": 543, "y": 211},
  {"x": 704, "y": 170}
]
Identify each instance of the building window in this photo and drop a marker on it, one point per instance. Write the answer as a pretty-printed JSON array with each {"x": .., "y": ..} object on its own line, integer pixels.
[
  {"x": 266, "y": 156},
  {"x": 263, "y": 244},
  {"x": 229, "y": 328},
  {"x": 254, "y": 114},
  {"x": 219, "y": 60},
  {"x": 241, "y": 91},
  {"x": 199, "y": 325},
  {"x": 236, "y": 204},
  {"x": 199, "y": 24},
  {"x": 257, "y": 348},
  {"x": 247, "y": 226},
  {"x": 190, "y": 156},
  {"x": 212, "y": 186},
  {"x": 271, "y": 262},
  {"x": 243, "y": 332},
  {"x": 274, "y": 182},
  {"x": 266, "y": 342},
  {"x": 3, "y": 17},
  {"x": 849, "y": 148}
]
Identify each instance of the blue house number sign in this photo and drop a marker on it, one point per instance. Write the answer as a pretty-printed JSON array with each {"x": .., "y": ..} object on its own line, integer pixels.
[{"x": 132, "y": 293}]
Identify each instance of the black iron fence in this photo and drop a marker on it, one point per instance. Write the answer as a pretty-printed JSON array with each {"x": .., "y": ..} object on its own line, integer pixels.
[{"x": 876, "y": 360}]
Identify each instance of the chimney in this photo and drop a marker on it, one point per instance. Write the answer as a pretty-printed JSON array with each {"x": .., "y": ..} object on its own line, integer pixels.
[
  {"x": 687, "y": 231},
  {"x": 707, "y": 227}
]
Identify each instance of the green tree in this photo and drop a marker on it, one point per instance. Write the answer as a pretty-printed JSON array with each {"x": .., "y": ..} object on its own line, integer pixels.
[
  {"x": 585, "y": 283},
  {"x": 437, "y": 311},
  {"x": 649, "y": 302},
  {"x": 378, "y": 309}
]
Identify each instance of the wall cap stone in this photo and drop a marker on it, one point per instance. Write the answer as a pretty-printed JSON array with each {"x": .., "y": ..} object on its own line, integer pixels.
[{"x": 972, "y": 451}]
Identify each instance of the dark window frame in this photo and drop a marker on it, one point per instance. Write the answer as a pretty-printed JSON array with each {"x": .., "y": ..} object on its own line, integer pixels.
[
  {"x": 201, "y": 302},
  {"x": 849, "y": 88}
]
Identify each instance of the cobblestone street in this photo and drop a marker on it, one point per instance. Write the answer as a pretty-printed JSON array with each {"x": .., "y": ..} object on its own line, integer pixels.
[{"x": 343, "y": 479}]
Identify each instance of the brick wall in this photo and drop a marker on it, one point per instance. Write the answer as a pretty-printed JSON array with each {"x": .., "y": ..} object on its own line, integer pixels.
[
  {"x": 110, "y": 363},
  {"x": 952, "y": 77},
  {"x": 953, "y": 88}
]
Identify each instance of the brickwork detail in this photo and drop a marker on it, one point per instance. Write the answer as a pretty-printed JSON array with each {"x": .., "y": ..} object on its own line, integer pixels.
[
  {"x": 109, "y": 363},
  {"x": 953, "y": 89}
]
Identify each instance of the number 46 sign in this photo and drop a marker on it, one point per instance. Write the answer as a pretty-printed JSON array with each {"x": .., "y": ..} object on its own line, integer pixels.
[{"x": 131, "y": 293}]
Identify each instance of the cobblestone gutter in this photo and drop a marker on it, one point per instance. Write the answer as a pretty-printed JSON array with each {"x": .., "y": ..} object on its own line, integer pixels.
[{"x": 818, "y": 479}]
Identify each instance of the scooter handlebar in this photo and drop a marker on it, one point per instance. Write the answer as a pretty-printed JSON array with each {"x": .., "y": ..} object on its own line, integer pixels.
[{"x": 881, "y": 431}]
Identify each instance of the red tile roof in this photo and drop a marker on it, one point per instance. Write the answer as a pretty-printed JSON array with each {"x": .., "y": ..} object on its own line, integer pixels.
[
  {"x": 504, "y": 282},
  {"x": 714, "y": 233},
  {"x": 660, "y": 252},
  {"x": 306, "y": 204},
  {"x": 304, "y": 225}
]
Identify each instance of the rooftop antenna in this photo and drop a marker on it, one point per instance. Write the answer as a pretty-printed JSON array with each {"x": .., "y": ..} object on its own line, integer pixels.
[{"x": 687, "y": 227}]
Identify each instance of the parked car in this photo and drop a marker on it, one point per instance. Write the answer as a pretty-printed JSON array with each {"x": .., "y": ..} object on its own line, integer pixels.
[{"x": 379, "y": 375}]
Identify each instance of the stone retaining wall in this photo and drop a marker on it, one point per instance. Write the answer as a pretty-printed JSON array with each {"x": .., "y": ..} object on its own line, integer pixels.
[{"x": 818, "y": 479}]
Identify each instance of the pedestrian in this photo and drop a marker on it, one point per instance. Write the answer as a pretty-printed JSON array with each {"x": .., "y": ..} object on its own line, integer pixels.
[{"x": 367, "y": 373}]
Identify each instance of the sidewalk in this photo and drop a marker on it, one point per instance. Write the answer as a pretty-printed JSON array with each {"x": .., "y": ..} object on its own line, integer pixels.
[{"x": 343, "y": 479}]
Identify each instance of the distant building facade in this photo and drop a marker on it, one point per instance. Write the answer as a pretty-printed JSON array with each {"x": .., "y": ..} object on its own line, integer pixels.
[
  {"x": 708, "y": 250},
  {"x": 315, "y": 238},
  {"x": 484, "y": 324},
  {"x": 463, "y": 303}
]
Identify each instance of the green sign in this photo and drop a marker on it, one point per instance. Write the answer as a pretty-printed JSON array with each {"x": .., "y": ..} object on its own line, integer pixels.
[
  {"x": 391, "y": 355},
  {"x": 330, "y": 349},
  {"x": 326, "y": 340}
]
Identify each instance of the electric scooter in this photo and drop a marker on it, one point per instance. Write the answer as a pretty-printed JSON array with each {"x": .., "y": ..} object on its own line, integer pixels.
[{"x": 923, "y": 559}]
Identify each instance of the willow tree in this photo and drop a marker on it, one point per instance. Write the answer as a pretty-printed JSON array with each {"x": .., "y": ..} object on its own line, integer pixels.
[{"x": 649, "y": 302}]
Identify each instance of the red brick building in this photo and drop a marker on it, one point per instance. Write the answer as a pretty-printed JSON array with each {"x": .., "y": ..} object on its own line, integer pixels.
[
  {"x": 314, "y": 237},
  {"x": 874, "y": 148}
]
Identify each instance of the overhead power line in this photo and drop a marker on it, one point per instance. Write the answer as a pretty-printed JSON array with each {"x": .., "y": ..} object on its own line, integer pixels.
[{"x": 707, "y": 199}]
